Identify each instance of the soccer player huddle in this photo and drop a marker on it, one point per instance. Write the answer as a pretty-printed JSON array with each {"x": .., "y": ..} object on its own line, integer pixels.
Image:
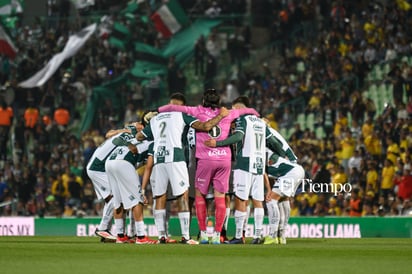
[{"x": 188, "y": 154}]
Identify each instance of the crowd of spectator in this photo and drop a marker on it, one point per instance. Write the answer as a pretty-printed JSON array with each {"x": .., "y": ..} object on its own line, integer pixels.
[
  {"x": 327, "y": 68},
  {"x": 324, "y": 52}
]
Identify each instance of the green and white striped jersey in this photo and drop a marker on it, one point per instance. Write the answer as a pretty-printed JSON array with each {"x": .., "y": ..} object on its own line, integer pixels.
[
  {"x": 251, "y": 150},
  {"x": 285, "y": 146},
  {"x": 101, "y": 153},
  {"x": 122, "y": 152},
  {"x": 167, "y": 130},
  {"x": 280, "y": 168}
]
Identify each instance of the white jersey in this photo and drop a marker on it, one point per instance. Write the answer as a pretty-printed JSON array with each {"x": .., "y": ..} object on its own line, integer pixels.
[
  {"x": 123, "y": 152},
  {"x": 251, "y": 153},
  {"x": 285, "y": 146},
  {"x": 101, "y": 153},
  {"x": 166, "y": 130}
]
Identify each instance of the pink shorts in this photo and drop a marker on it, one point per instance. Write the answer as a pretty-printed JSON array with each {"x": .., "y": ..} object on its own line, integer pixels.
[{"x": 215, "y": 172}]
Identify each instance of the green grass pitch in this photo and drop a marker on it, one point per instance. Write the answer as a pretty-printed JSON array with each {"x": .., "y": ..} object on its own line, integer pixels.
[{"x": 60, "y": 255}]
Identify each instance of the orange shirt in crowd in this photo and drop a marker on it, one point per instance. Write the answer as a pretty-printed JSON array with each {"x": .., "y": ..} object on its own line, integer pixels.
[
  {"x": 61, "y": 116},
  {"x": 355, "y": 207},
  {"x": 31, "y": 116},
  {"x": 6, "y": 115}
]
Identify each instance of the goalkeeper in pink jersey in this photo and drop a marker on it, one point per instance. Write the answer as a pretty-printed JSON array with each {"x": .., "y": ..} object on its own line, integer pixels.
[{"x": 213, "y": 164}]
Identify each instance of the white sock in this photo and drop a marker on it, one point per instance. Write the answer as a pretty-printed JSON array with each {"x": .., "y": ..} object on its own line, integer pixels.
[
  {"x": 107, "y": 216},
  {"x": 184, "y": 218},
  {"x": 284, "y": 208},
  {"x": 259, "y": 214},
  {"x": 281, "y": 218},
  {"x": 273, "y": 216},
  {"x": 140, "y": 231},
  {"x": 160, "y": 221},
  {"x": 239, "y": 221},
  {"x": 119, "y": 225},
  {"x": 246, "y": 221}
]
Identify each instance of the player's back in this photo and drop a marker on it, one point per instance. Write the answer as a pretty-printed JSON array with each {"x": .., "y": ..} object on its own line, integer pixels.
[
  {"x": 285, "y": 145},
  {"x": 101, "y": 153},
  {"x": 251, "y": 155},
  {"x": 167, "y": 129},
  {"x": 219, "y": 132}
]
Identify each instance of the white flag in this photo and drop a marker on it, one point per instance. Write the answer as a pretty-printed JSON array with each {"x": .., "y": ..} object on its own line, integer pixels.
[
  {"x": 10, "y": 7},
  {"x": 81, "y": 4},
  {"x": 74, "y": 43}
]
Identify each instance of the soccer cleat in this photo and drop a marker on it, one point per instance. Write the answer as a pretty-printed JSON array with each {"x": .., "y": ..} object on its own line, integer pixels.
[
  {"x": 234, "y": 241},
  {"x": 122, "y": 240},
  {"x": 223, "y": 239},
  {"x": 203, "y": 239},
  {"x": 271, "y": 241},
  {"x": 223, "y": 236},
  {"x": 216, "y": 239},
  {"x": 104, "y": 234},
  {"x": 145, "y": 241},
  {"x": 132, "y": 239},
  {"x": 257, "y": 241},
  {"x": 162, "y": 240},
  {"x": 188, "y": 241},
  {"x": 282, "y": 240}
]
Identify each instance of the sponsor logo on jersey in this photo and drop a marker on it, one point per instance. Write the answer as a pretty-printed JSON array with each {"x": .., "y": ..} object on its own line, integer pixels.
[
  {"x": 217, "y": 152},
  {"x": 257, "y": 127}
]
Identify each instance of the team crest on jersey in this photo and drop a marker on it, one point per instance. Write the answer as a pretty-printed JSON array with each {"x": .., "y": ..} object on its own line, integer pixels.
[{"x": 215, "y": 132}]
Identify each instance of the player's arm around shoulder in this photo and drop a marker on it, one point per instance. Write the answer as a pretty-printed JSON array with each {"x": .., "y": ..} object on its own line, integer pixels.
[
  {"x": 274, "y": 145},
  {"x": 114, "y": 132},
  {"x": 235, "y": 113},
  {"x": 233, "y": 139},
  {"x": 208, "y": 125}
]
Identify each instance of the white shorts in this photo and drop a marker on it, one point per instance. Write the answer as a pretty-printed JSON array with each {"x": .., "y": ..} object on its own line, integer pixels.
[
  {"x": 287, "y": 185},
  {"x": 100, "y": 183},
  {"x": 125, "y": 183},
  {"x": 246, "y": 184},
  {"x": 175, "y": 173}
]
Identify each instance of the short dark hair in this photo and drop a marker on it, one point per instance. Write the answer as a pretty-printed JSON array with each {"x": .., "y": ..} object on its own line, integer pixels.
[
  {"x": 211, "y": 98},
  {"x": 178, "y": 96},
  {"x": 244, "y": 100}
]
